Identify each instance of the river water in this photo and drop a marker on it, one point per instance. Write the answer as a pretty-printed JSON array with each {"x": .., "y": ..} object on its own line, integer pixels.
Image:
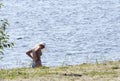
[{"x": 75, "y": 31}]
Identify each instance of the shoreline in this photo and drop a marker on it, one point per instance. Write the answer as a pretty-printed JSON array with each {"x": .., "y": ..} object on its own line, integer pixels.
[
  {"x": 109, "y": 71},
  {"x": 87, "y": 62}
]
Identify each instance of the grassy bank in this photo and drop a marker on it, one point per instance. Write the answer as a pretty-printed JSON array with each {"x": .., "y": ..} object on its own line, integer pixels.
[{"x": 109, "y": 71}]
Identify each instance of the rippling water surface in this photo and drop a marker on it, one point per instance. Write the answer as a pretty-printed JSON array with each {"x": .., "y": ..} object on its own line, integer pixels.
[{"x": 75, "y": 31}]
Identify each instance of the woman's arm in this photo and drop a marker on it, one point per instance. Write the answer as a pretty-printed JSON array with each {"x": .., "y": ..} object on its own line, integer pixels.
[{"x": 29, "y": 53}]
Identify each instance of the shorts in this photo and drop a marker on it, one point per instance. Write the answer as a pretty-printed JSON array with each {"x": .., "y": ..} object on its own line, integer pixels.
[{"x": 36, "y": 64}]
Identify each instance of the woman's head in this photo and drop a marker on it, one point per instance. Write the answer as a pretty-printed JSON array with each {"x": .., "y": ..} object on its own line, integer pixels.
[{"x": 42, "y": 45}]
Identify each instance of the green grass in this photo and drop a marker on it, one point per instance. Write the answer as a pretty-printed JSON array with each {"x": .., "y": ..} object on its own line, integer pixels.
[
  {"x": 82, "y": 72},
  {"x": 23, "y": 73}
]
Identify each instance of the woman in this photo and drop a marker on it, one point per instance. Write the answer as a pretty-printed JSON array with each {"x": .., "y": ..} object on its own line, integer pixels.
[{"x": 35, "y": 54}]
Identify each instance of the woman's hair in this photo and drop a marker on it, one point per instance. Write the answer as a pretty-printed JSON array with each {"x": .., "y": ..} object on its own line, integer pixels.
[{"x": 42, "y": 44}]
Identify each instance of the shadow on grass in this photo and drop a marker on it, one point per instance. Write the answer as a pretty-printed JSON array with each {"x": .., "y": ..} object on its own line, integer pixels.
[{"x": 71, "y": 75}]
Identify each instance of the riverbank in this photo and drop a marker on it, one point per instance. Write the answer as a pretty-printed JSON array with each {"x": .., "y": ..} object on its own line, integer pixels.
[{"x": 108, "y": 71}]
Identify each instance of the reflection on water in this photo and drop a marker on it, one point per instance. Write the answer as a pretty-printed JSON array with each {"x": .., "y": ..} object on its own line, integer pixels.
[{"x": 75, "y": 31}]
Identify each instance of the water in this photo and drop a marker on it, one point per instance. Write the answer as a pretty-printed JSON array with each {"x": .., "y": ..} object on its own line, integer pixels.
[{"x": 75, "y": 31}]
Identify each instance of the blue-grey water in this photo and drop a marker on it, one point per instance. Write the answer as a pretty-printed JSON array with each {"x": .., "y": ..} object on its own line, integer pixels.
[{"x": 75, "y": 31}]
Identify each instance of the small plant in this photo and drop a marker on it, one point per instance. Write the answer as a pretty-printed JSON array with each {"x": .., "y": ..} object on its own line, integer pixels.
[
  {"x": 1, "y": 5},
  {"x": 4, "y": 37},
  {"x": 97, "y": 62}
]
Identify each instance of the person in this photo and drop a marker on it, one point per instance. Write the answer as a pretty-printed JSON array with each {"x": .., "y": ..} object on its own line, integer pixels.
[{"x": 35, "y": 54}]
